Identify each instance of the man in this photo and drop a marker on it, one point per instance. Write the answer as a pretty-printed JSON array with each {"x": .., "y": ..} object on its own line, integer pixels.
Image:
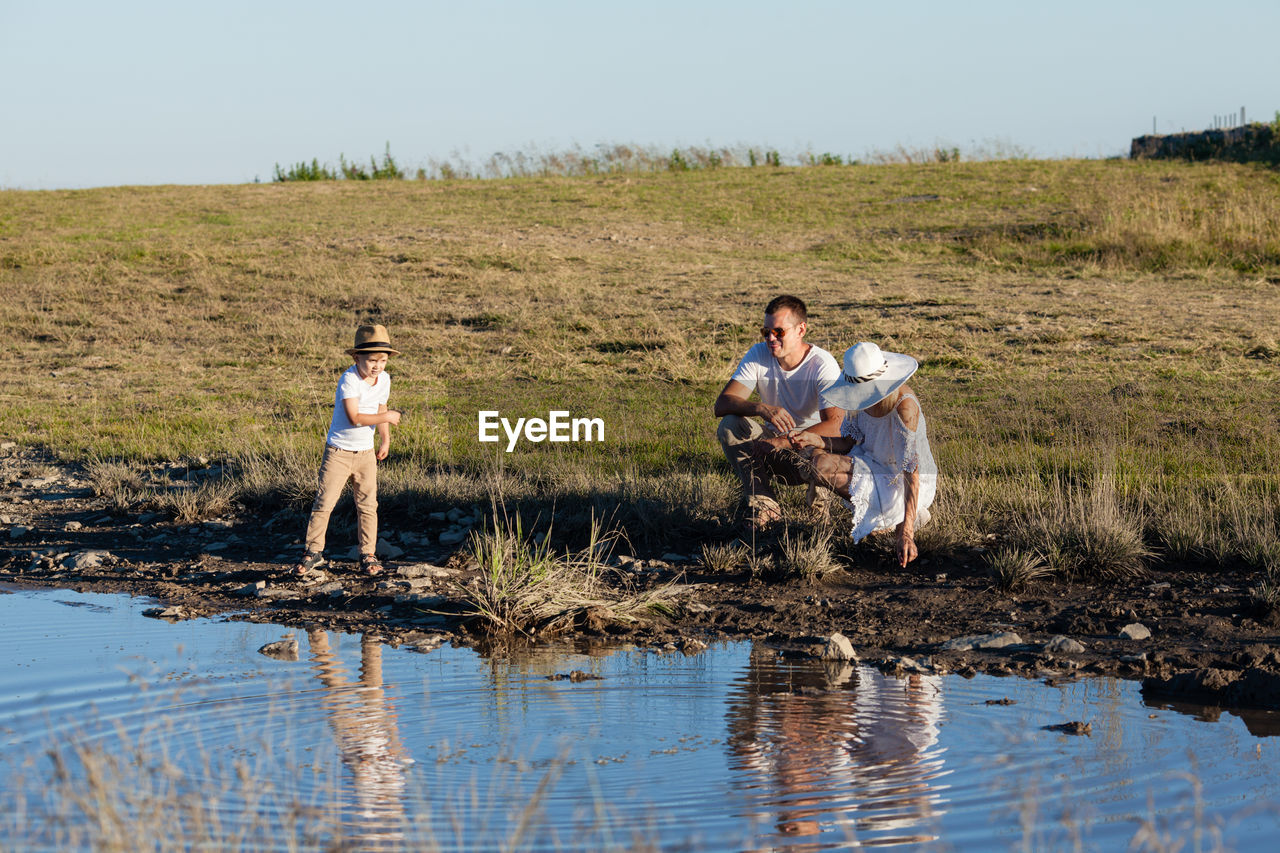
[{"x": 789, "y": 377}]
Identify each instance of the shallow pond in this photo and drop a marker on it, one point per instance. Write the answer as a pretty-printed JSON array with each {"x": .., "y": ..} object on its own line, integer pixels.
[{"x": 119, "y": 731}]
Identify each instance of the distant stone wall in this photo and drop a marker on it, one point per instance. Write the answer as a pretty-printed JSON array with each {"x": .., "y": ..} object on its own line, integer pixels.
[{"x": 1249, "y": 143}]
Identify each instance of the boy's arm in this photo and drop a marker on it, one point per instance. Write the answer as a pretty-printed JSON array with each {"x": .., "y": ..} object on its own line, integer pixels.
[
  {"x": 383, "y": 417},
  {"x": 384, "y": 434}
]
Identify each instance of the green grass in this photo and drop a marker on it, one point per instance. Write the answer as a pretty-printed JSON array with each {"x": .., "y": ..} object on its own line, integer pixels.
[{"x": 1077, "y": 321}]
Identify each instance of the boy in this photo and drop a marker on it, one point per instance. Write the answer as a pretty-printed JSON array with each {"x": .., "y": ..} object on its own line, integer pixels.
[{"x": 359, "y": 409}]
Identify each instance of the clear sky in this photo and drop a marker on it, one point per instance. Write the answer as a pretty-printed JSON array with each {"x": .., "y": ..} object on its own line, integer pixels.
[{"x": 101, "y": 94}]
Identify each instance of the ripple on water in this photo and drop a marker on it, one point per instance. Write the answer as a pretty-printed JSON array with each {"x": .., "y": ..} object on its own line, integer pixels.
[{"x": 732, "y": 748}]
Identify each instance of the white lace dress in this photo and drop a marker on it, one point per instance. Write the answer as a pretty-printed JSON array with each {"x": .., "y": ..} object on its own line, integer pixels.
[{"x": 886, "y": 450}]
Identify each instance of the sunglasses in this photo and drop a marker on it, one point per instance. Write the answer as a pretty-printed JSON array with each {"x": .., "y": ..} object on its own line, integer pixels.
[{"x": 775, "y": 333}]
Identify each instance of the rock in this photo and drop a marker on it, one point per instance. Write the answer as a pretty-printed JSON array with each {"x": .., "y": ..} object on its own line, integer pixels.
[
  {"x": 72, "y": 526},
  {"x": 674, "y": 558},
  {"x": 216, "y": 546},
  {"x": 388, "y": 551},
  {"x": 837, "y": 673},
  {"x": 691, "y": 646},
  {"x": 574, "y": 676},
  {"x": 422, "y": 570},
  {"x": 330, "y": 588},
  {"x": 274, "y": 592},
  {"x": 37, "y": 482},
  {"x": 286, "y": 649},
  {"x": 7, "y": 445},
  {"x": 838, "y": 647},
  {"x": 910, "y": 665},
  {"x": 1135, "y": 631},
  {"x": 174, "y": 613},
  {"x": 89, "y": 559},
  {"x": 454, "y": 514},
  {"x": 997, "y": 640},
  {"x": 18, "y": 531},
  {"x": 438, "y": 516},
  {"x": 453, "y": 536},
  {"x": 428, "y": 644},
  {"x": 251, "y": 589},
  {"x": 1074, "y": 727},
  {"x": 1064, "y": 646}
]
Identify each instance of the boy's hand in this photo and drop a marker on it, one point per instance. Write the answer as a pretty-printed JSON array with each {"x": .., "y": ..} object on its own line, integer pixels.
[
  {"x": 393, "y": 417},
  {"x": 383, "y": 450},
  {"x": 801, "y": 440}
]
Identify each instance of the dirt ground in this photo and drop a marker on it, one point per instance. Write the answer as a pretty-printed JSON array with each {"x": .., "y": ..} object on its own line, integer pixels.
[{"x": 1204, "y": 647}]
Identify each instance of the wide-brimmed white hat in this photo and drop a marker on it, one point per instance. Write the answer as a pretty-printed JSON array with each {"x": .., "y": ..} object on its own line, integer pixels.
[{"x": 869, "y": 376}]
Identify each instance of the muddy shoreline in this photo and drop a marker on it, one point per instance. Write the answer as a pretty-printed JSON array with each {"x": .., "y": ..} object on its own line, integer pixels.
[{"x": 939, "y": 615}]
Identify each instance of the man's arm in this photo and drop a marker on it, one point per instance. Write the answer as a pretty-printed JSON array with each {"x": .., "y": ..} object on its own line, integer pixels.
[
  {"x": 733, "y": 401},
  {"x": 830, "y": 424}
]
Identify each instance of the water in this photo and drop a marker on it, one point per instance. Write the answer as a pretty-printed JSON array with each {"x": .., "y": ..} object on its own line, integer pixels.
[{"x": 121, "y": 732}]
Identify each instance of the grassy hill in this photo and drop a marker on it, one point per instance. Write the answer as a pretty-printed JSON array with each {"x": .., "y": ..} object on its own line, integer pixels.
[{"x": 1097, "y": 338}]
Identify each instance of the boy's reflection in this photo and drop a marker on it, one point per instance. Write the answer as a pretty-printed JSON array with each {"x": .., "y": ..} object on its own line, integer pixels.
[
  {"x": 365, "y": 726},
  {"x": 834, "y": 748}
]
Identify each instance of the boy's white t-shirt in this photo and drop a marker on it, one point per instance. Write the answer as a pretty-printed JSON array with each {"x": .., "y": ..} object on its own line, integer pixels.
[
  {"x": 798, "y": 391},
  {"x": 343, "y": 434}
]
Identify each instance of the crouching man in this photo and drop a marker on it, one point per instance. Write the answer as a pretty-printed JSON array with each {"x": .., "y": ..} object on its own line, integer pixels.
[{"x": 788, "y": 376}]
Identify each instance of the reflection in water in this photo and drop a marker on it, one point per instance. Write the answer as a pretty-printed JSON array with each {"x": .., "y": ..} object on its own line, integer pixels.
[
  {"x": 365, "y": 725},
  {"x": 832, "y": 751}
]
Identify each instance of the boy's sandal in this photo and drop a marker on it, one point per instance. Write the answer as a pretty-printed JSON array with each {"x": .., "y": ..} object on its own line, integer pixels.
[
  {"x": 371, "y": 565},
  {"x": 310, "y": 562}
]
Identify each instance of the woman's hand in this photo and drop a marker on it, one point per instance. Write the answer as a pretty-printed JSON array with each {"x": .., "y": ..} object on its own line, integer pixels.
[{"x": 906, "y": 549}]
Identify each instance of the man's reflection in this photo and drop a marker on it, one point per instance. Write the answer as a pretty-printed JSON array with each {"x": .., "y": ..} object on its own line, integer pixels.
[
  {"x": 836, "y": 750},
  {"x": 364, "y": 723}
]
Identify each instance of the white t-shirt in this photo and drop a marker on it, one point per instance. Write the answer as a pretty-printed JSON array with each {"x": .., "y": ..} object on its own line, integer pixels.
[
  {"x": 798, "y": 391},
  {"x": 343, "y": 434}
]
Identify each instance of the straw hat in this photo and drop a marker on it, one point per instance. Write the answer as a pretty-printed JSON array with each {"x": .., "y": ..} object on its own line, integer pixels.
[
  {"x": 869, "y": 376},
  {"x": 372, "y": 339}
]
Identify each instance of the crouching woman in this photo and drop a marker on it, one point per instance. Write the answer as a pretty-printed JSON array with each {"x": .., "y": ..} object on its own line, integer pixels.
[{"x": 880, "y": 463}]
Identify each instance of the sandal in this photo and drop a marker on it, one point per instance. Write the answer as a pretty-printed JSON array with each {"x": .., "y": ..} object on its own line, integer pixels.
[
  {"x": 371, "y": 565},
  {"x": 311, "y": 561},
  {"x": 763, "y": 517}
]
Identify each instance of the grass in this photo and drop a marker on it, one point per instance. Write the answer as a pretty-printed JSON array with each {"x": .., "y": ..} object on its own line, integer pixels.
[
  {"x": 524, "y": 587},
  {"x": 1013, "y": 569},
  {"x": 806, "y": 556},
  {"x": 1077, "y": 321}
]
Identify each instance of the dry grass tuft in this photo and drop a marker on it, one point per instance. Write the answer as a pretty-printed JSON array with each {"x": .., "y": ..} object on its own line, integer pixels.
[
  {"x": 806, "y": 555},
  {"x": 197, "y": 503},
  {"x": 725, "y": 558},
  {"x": 1012, "y": 569},
  {"x": 1086, "y": 534},
  {"x": 524, "y": 587}
]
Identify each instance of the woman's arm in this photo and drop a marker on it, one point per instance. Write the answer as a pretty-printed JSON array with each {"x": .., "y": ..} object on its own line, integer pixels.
[{"x": 907, "y": 529}]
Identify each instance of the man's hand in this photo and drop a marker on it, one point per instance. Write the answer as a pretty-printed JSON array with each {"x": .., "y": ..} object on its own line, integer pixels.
[
  {"x": 777, "y": 417},
  {"x": 765, "y": 446}
]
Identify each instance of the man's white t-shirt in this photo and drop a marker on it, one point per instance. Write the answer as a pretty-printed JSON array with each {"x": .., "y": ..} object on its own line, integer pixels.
[
  {"x": 343, "y": 434},
  {"x": 798, "y": 391}
]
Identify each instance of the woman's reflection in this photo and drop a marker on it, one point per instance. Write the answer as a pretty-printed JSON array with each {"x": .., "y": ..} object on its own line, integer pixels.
[{"x": 834, "y": 751}]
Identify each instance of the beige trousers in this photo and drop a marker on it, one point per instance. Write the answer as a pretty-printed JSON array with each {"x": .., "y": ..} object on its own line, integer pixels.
[
  {"x": 757, "y": 472},
  {"x": 361, "y": 467}
]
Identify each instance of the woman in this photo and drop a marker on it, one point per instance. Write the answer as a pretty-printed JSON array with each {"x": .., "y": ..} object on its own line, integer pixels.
[{"x": 881, "y": 462}]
